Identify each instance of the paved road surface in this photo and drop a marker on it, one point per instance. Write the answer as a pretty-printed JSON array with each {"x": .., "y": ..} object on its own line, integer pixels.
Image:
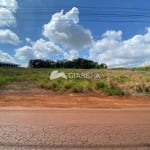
[{"x": 42, "y": 129}]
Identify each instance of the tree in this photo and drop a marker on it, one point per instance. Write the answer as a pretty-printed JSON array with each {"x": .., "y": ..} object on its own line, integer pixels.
[{"x": 79, "y": 63}]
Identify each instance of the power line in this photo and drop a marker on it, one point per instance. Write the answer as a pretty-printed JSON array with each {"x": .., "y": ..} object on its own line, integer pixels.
[
  {"x": 92, "y": 20},
  {"x": 94, "y": 14},
  {"x": 87, "y": 7}
]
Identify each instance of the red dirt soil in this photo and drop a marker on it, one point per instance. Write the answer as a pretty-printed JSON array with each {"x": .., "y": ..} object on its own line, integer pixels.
[{"x": 54, "y": 100}]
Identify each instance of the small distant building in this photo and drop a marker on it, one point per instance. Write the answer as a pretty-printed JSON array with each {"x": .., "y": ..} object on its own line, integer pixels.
[{"x": 8, "y": 65}]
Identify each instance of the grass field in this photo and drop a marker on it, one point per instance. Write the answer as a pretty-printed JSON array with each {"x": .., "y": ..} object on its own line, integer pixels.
[{"x": 120, "y": 82}]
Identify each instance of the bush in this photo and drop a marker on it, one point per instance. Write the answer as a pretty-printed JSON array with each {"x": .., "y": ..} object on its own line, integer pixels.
[
  {"x": 113, "y": 91},
  {"x": 100, "y": 85},
  {"x": 77, "y": 88},
  {"x": 109, "y": 90}
]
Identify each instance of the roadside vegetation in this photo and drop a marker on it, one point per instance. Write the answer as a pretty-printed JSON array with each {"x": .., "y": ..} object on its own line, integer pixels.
[{"x": 120, "y": 82}]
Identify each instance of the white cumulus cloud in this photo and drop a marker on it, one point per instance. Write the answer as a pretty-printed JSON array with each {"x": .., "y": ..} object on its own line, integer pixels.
[
  {"x": 5, "y": 57},
  {"x": 63, "y": 29},
  {"x": 40, "y": 49},
  {"x": 9, "y": 4},
  {"x": 25, "y": 53},
  {"x": 6, "y": 17},
  {"x": 114, "y": 51},
  {"x": 73, "y": 54},
  {"x": 7, "y": 10},
  {"x": 43, "y": 49},
  {"x": 7, "y": 36}
]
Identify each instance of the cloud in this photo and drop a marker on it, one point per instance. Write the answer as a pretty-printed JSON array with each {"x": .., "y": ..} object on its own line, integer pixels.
[
  {"x": 63, "y": 33},
  {"x": 9, "y": 4},
  {"x": 25, "y": 53},
  {"x": 7, "y": 36},
  {"x": 29, "y": 41},
  {"x": 111, "y": 35},
  {"x": 7, "y": 10},
  {"x": 114, "y": 51},
  {"x": 5, "y": 57},
  {"x": 40, "y": 49},
  {"x": 63, "y": 29},
  {"x": 71, "y": 55},
  {"x": 66, "y": 37},
  {"x": 6, "y": 17},
  {"x": 43, "y": 49}
]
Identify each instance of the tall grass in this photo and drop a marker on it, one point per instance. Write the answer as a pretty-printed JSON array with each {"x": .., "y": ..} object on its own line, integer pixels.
[{"x": 112, "y": 82}]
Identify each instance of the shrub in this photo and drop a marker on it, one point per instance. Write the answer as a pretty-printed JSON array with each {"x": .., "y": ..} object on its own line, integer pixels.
[
  {"x": 113, "y": 91},
  {"x": 100, "y": 85},
  {"x": 77, "y": 88}
]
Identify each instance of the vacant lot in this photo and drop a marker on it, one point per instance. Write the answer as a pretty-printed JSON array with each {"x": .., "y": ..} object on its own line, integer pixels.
[
  {"x": 121, "y": 82},
  {"x": 123, "y": 88}
]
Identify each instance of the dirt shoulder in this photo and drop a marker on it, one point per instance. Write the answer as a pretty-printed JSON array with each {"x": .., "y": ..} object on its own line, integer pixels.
[{"x": 57, "y": 100}]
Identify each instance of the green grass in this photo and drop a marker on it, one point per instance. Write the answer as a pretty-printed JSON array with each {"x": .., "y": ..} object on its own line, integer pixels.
[{"x": 112, "y": 82}]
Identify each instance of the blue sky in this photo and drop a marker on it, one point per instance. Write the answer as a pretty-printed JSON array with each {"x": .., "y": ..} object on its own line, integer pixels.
[{"x": 114, "y": 32}]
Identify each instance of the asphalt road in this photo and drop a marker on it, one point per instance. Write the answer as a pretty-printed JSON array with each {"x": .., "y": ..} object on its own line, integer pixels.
[{"x": 43, "y": 129}]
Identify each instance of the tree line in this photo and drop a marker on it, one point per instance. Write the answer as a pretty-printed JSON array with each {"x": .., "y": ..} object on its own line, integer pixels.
[{"x": 79, "y": 63}]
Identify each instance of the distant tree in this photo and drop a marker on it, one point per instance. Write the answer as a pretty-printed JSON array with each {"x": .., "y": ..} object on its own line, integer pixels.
[
  {"x": 79, "y": 63},
  {"x": 102, "y": 65}
]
